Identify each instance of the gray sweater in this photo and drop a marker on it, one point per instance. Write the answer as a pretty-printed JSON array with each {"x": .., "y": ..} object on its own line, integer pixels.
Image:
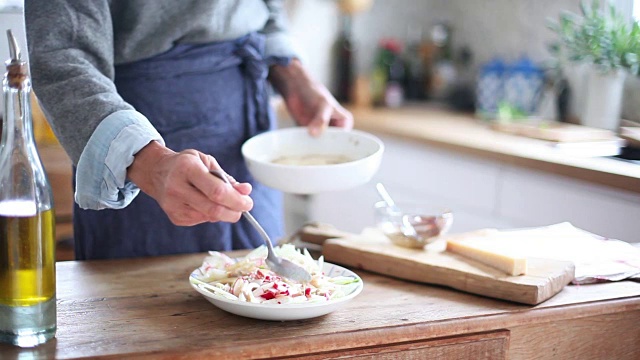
[{"x": 74, "y": 44}]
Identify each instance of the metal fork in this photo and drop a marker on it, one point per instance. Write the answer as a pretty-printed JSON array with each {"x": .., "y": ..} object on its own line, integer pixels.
[{"x": 278, "y": 265}]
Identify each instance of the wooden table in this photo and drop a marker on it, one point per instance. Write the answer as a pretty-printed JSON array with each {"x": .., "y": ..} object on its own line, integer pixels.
[{"x": 145, "y": 308}]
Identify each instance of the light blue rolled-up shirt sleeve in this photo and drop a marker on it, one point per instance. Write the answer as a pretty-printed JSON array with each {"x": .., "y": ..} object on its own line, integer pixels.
[{"x": 101, "y": 174}]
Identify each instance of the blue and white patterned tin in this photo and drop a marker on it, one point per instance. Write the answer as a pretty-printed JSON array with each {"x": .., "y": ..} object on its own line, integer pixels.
[
  {"x": 523, "y": 82},
  {"x": 490, "y": 88}
]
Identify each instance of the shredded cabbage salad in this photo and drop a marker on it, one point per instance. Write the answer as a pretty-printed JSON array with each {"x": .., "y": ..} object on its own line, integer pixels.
[{"x": 250, "y": 280}]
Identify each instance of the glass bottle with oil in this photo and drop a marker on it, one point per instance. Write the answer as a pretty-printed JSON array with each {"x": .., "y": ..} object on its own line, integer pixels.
[{"x": 27, "y": 245}]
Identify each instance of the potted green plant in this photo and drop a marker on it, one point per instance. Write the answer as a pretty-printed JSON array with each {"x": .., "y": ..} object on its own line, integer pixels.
[{"x": 607, "y": 46}]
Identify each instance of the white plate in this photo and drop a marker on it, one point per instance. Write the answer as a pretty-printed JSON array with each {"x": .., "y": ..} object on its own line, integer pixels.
[{"x": 284, "y": 312}]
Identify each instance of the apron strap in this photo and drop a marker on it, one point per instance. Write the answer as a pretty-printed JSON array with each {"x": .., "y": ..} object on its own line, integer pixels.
[
  {"x": 256, "y": 69},
  {"x": 250, "y": 51}
]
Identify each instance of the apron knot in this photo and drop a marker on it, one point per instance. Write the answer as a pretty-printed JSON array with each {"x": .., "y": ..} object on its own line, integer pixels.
[{"x": 251, "y": 50}]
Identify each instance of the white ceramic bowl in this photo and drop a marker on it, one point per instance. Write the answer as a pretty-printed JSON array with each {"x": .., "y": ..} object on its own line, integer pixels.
[{"x": 361, "y": 151}]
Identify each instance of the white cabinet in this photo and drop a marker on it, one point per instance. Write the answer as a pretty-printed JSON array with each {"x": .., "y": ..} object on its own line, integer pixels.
[
  {"x": 481, "y": 193},
  {"x": 529, "y": 198}
]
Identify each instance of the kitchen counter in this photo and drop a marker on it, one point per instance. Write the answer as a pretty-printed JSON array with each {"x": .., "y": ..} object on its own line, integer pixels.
[
  {"x": 145, "y": 308},
  {"x": 463, "y": 133}
]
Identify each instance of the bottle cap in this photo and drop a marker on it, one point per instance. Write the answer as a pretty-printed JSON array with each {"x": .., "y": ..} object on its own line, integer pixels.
[
  {"x": 14, "y": 49},
  {"x": 16, "y": 68}
]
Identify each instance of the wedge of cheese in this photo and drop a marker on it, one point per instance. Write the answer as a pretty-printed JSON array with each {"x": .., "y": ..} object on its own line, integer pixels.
[{"x": 489, "y": 247}]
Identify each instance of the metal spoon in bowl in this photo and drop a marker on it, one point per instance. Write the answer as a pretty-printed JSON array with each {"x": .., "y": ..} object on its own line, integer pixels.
[
  {"x": 278, "y": 265},
  {"x": 406, "y": 228}
]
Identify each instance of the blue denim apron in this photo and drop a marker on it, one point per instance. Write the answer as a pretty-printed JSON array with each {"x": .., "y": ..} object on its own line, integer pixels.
[{"x": 210, "y": 98}]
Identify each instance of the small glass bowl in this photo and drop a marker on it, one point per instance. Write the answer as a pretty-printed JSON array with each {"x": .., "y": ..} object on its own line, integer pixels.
[{"x": 429, "y": 223}]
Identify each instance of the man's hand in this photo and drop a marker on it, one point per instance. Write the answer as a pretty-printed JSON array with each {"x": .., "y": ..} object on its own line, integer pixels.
[
  {"x": 184, "y": 188},
  {"x": 309, "y": 102}
]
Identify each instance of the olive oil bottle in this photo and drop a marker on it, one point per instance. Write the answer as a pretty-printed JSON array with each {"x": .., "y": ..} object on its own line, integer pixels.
[{"x": 27, "y": 245}]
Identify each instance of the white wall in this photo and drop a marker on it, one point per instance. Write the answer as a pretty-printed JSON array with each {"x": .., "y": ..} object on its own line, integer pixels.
[
  {"x": 507, "y": 28},
  {"x": 314, "y": 28}
]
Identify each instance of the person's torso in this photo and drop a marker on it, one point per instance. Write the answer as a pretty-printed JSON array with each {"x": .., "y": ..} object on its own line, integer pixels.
[{"x": 144, "y": 28}]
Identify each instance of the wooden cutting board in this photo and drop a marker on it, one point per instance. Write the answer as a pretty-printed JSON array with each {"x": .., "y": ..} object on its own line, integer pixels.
[
  {"x": 372, "y": 251},
  {"x": 554, "y": 131}
]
